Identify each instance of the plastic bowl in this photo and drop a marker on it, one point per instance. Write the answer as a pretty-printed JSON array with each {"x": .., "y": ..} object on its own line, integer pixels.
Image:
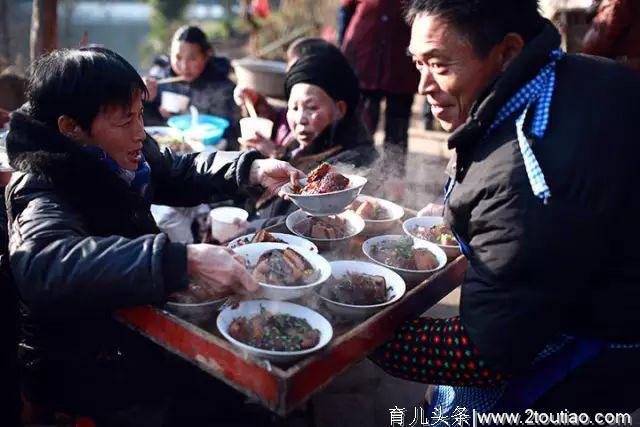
[
  {"x": 208, "y": 131},
  {"x": 251, "y": 308},
  {"x": 411, "y": 276},
  {"x": 452, "y": 251},
  {"x": 355, "y": 224},
  {"x": 325, "y": 204},
  {"x": 250, "y": 126},
  {"x": 353, "y": 311},
  {"x": 252, "y": 253}
]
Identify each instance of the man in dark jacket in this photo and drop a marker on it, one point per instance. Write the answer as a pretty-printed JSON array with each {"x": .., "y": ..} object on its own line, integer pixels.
[
  {"x": 83, "y": 242},
  {"x": 544, "y": 211}
]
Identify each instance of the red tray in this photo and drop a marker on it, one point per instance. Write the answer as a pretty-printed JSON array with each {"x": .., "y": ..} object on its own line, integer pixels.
[{"x": 283, "y": 389}]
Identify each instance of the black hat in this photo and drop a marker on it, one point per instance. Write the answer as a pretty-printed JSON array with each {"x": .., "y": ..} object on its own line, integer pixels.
[{"x": 331, "y": 72}]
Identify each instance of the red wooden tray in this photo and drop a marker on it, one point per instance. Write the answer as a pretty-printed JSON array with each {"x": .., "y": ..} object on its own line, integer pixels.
[{"x": 283, "y": 389}]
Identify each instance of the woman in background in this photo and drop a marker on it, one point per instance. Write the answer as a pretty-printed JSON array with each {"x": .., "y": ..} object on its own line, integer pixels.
[
  {"x": 323, "y": 96},
  {"x": 274, "y": 145},
  {"x": 205, "y": 80}
]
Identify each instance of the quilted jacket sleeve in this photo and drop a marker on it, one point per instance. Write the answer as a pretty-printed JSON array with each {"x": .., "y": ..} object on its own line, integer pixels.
[{"x": 60, "y": 269}]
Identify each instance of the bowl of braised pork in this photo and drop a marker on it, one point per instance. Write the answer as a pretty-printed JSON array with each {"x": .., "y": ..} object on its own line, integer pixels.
[
  {"x": 358, "y": 289},
  {"x": 196, "y": 303},
  {"x": 433, "y": 229},
  {"x": 284, "y": 272},
  {"x": 326, "y": 232},
  {"x": 264, "y": 236},
  {"x": 325, "y": 191},
  {"x": 379, "y": 215},
  {"x": 413, "y": 259},
  {"x": 275, "y": 330}
]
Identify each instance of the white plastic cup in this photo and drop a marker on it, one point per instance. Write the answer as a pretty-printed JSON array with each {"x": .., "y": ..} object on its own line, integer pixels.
[
  {"x": 250, "y": 126},
  {"x": 174, "y": 102},
  {"x": 227, "y": 222}
]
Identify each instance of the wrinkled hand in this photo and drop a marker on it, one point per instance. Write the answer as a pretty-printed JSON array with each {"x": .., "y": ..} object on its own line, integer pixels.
[
  {"x": 152, "y": 87},
  {"x": 241, "y": 93},
  {"x": 273, "y": 174},
  {"x": 432, "y": 209},
  {"x": 264, "y": 145},
  {"x": 219, "y": 269}
]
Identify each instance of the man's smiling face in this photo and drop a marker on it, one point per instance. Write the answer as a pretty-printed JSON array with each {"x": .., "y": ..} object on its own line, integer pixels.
[{"x": 452, "y": 75}]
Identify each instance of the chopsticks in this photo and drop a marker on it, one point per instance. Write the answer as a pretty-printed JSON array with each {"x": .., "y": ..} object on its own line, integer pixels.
[
  {"x": 171, "y": 80},
  {"x": 250, "y": 108}
]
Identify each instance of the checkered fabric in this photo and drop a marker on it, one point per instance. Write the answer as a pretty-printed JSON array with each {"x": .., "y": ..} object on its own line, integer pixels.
[{"x": 537, "y": 93}]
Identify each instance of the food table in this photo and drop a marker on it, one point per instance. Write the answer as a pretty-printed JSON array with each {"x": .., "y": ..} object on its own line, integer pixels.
[{"x": 282, "y": 389}]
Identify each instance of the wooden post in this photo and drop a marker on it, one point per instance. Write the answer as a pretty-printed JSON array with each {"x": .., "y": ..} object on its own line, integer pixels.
[
  {"x": 43, "y": 27},
  {"x": 5, "y": 51}
]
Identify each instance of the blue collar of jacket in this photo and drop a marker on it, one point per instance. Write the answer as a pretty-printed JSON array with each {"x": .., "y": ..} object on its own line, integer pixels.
[{"x": 526, "y": 66}]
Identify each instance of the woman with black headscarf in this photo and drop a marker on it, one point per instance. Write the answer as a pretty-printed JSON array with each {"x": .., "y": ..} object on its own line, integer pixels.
[{"x": 323, "y": 94}]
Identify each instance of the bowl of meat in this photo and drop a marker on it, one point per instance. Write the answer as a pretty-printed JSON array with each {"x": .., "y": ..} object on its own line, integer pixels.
[
  {"x": 326, "y": 232},
  {"x": 264, "y": 236},
  {"x": 357, "y": 289},
  {"x": 380, "y": 216},
  {"x": 434, "y": 230},
  {"x": 413, "y": 259},
  {"x": 279, "y": 331},
  {"x": 196, "y": 303},
  {"x": 325, "y": 191},
  {"x": 284, "y": 272}
]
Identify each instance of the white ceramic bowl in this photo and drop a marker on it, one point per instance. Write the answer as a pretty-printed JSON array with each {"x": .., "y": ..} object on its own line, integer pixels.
[
  {"x": 412, "y": 276},
  {"x": 328, "y": 203},
  {"x": 174, "y": 102},
  {"x": 251, "y": 308},
  {"x": 289, "y": 239},
  {"x": 375, "y": 227},
  {"x": 253, "y": 252},
  {"x": 452, "y": 251},
  {"x": 352, "y": 311},
  {"x": 355, "y": 224},
  {"x": 195, "y": 313}
]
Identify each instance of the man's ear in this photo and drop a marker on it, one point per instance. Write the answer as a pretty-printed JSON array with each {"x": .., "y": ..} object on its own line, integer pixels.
[
  {"x": 70, "y": 128},
  {"x": 342, "y": 108},
  {"x": 509, "y": 48}
]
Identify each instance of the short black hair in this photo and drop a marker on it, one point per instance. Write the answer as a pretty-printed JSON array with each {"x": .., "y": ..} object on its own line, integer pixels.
[
  {"x": 310, "y": 46},
  {"x": 484, "y": 22},
  {"x": 194, "y": 35},
  {"x": 79, "y": 83}
]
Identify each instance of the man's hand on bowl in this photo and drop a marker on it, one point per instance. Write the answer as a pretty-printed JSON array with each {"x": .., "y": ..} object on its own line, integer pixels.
[{"x": 273, "y": 174}]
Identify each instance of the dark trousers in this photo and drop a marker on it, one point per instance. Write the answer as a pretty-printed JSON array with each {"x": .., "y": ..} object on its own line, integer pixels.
[
  {"x": 396, "y": 124},
  {"x": 606, "y": 383}
]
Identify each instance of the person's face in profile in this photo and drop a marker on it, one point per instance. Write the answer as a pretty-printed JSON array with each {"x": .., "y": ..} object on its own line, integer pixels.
[
  {"x": 452, "y": 74},
  {"x": 119, "y": 131}
]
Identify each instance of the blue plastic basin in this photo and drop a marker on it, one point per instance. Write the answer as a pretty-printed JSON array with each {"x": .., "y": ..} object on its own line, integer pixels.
[{"x": 215, "y": 126}]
